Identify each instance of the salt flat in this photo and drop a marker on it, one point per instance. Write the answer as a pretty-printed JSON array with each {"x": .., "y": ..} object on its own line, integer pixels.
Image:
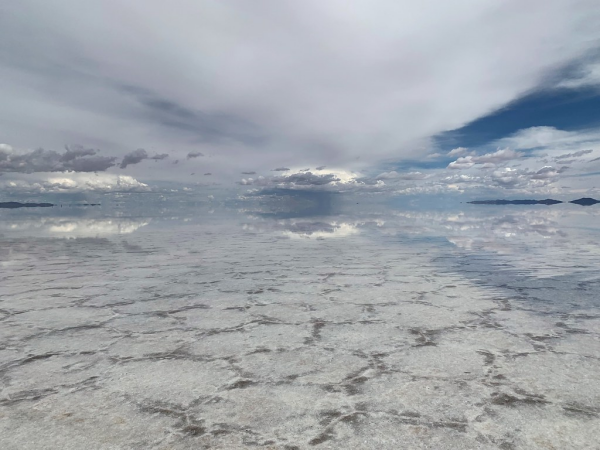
[{"x": 400, "y": 329}]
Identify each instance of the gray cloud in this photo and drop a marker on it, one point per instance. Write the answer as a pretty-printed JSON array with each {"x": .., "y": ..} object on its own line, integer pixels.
[
  {"x": 307, "y": 179},
  {"x": 461, "y": 163},
  {"x": 76, "y": 159},
  {"x": 281, "y": 169},
  {"x": 202, "y": 126},
  {"x": 134, "y": 157},
  {"x": 524, "y": 178},
  {"x": 248, "y": 173},
  {"x": 137, "y": 156},
  {"x": 77, "y": 151},
  {"x": 159, "y": 157},
  {"x": 574, "y": 155},
  {"x": 304, "y": 179},
  {"x": 497, "y": 157},
  {"x": 547, "y": 172},
  {"x": 393, "y": 175},
  {"x": 191, "y": 155}
]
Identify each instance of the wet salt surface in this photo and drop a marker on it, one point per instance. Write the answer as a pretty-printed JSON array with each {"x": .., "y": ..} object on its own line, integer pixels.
[{"x": 386, "y": 329}]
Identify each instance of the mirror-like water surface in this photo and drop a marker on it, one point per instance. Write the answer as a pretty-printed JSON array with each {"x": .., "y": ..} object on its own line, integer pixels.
[{"x": 176, "y": 325}]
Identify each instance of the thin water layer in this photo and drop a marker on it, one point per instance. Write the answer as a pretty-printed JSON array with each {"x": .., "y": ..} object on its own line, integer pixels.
[{"x": 224, "y": 328}]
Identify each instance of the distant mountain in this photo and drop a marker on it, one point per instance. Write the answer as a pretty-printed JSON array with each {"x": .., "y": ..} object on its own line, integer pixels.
[
  {"x": 586, "y": 201},
  {"x": 548, "y": 201},
  {"x": 13, "y": 205}
]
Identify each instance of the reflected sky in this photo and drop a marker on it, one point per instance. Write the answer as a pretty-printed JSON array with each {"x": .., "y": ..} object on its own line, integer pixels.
[
  {"x": 539, "y": 241},
  {"x": 476, "y": 311}
]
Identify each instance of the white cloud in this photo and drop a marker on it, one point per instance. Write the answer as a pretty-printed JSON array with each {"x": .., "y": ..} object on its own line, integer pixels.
[
  {"x": 326, "y": 231},
  {"x": 587, "y": 76},
  {"x": 550, "y": 139},
  {"x": 71, "y": 182},
  {"x": 321, "y": 179},
  {"x": 461, "y": 163},
  {"x": 435, "y": 155},
  {"x": 497, "y": 157},
  {"x": 273, "y": 83},
  {"x": 459, "y": 151}
]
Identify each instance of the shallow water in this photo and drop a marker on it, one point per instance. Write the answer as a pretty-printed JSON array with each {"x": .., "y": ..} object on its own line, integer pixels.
[{"x": 151, "y": 325}]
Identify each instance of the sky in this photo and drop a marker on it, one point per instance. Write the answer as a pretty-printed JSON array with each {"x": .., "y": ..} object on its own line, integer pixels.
[{"x": 471, "y": 97}]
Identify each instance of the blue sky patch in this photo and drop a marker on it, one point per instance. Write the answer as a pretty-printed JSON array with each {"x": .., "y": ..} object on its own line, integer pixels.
[{"x": 565, "y": 109}]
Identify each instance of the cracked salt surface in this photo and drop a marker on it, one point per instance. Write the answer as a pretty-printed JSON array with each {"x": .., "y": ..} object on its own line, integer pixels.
[{"x": 418, "y": 329}]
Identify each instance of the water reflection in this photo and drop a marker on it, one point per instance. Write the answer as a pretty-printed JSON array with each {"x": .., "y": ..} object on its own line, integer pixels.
[
  {"x": 305, "y": 229},
  {"x": 486, "y": 313},
  {"x": 544, "y": 241},
  {"x": 69, "y": 227}
]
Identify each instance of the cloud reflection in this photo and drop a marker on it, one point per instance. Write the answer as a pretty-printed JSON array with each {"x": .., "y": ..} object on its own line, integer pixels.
[
  {"x": 70, "y": 227},
  {"x": 527, "y": 239}
]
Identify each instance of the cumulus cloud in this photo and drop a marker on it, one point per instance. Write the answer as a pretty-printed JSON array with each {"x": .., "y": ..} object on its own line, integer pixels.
[
  {"x": 73, "y": 183},
  {"x": 76, "y": 159},
  {"x": 303, "y": 179},
  {"x": 524, "y": 178},
  {"x": 497, "y": 157},
  {"x": 461, "y": 163},
  {"x": 332, "y": 180},
  {"x": 307, "y": 179},
  {"x": 549, "y": 162}
]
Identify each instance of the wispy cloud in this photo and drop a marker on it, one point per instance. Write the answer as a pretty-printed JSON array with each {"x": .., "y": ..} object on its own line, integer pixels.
[
  {"x": 191, "y": 155},
  {"x": 139, "y": 155}
]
